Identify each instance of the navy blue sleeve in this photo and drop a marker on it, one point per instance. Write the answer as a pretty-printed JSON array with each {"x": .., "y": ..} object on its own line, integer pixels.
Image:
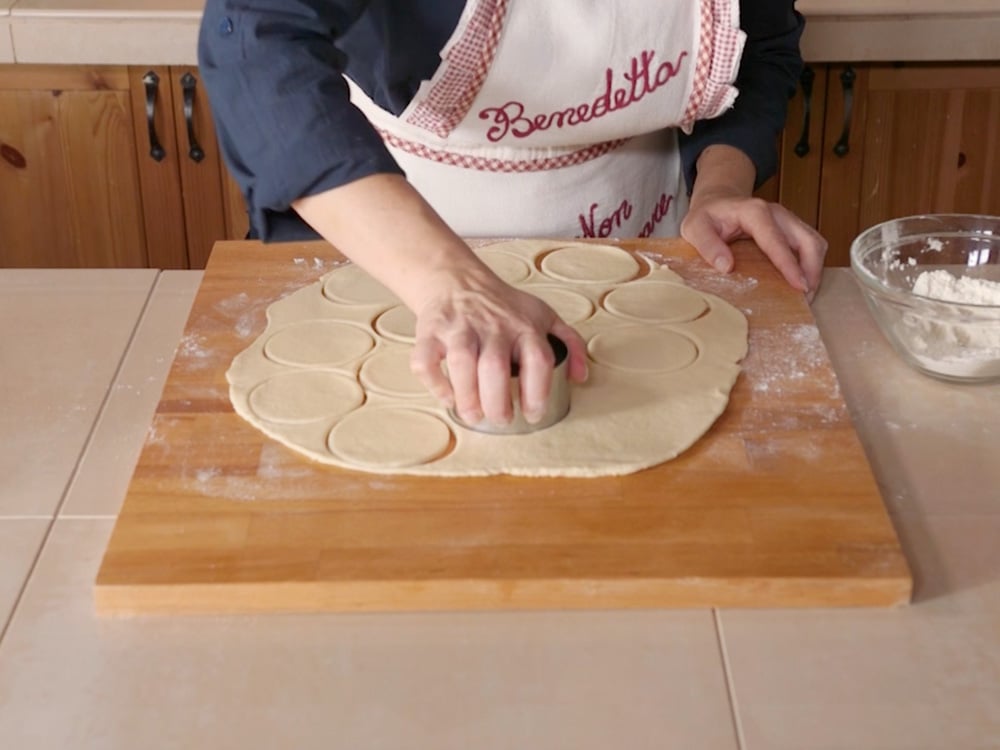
[
  {"x": 285, "y": 124},
  {"x": 768, "y": 76}
]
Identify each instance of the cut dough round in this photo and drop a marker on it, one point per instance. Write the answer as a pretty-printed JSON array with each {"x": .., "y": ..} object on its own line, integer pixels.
[
  {"x": 388, "y": 372},
  {"x": 595, "y": 264},
  {"x": 571, "y": 306},
  {"x": 390, "y": 437},
  {"x": 655, "y": 301},
  {"x": 642, "y": 349},
  {"x": 352, "y": 285},
  {"x": 301, "y": 396},
  {"x": 397, "y": 324},
  {"x": 312, "y": 343},
  {"x": 508, "y": 267}
]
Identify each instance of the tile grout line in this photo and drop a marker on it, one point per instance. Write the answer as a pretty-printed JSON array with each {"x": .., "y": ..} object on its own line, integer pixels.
[
  {"x": 108, "y": 396},
  {"x": 79, "y": 459},
  {"x": 734, "y": 707},
  {"x": 27, "y": 578}
]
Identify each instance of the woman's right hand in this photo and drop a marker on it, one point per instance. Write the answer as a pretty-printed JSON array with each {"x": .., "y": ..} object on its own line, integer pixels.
[
  {"x": 469, "y": 321},
  {"x": 476, "y": 327}
]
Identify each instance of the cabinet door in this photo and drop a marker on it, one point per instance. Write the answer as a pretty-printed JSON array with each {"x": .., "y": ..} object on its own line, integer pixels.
[
  {"x": 68, "y": 176},
  {"x": 842, "y": 160},
  {"x": 188, "y": 199},
  {"x": 802, "y": 146},
  {"x": 931, "y": 141},
  {"x": 159, "y": 166},
  {"x": 922, "y": 139},
  {"x": 202, "y": 187}
]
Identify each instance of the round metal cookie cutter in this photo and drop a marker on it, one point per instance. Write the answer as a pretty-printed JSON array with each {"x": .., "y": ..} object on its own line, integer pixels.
[{"x": 556, "y": 408}]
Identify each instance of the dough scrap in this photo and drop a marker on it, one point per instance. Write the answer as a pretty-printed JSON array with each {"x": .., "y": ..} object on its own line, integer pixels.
[{"x": 664, "y": 358}]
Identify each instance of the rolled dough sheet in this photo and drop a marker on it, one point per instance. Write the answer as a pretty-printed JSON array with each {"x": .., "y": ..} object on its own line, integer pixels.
[{"x": 329, "y": 376}]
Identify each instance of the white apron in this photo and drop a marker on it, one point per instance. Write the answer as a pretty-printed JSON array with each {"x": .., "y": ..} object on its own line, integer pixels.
[{"x": 558, "y": 118}]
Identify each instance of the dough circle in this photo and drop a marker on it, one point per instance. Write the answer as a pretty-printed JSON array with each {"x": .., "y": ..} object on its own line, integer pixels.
[
  {"x": 318, "y": 343},
  {"x": 300, "y": 396},
  {"x": 388, "y": 372},
  {"x": 508, "y": 267},
  {"x": 642, "y": 349},
  {"x": 596, "y": 264},
  {"x": 352, "y": 285},
  {"x": 655, "y": 301},
  {"x": 397, "y": 324},
  {"x": 571, "y": 306},
  {"x": 389, "y": 437}
]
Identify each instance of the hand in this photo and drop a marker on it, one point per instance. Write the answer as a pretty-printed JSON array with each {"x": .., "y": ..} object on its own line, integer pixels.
[
  {"x": 467, "y": 317},
  {"x": 795, "y": 248},
  {"x": 478, "y": 326},
  {"x": 722, "y": 210}
]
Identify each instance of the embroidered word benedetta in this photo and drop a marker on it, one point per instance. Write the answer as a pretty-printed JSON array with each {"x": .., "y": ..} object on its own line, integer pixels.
[{"x": 641, "y": 78}]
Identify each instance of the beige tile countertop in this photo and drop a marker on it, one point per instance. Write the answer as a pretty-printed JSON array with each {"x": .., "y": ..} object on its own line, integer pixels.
[
  {"x": 164, "y": 32},
  {"x": 85, "y": 356}
]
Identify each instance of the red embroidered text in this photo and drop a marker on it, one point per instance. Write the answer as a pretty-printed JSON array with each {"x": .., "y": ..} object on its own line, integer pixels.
[
  {"x": 592, "y": 228},
  {"x": 643, "y": 77}
]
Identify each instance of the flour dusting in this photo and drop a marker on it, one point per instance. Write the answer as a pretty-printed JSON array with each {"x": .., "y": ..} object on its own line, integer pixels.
[
  {"x": 789, "y": 357},
  {"x": 193, "y": 347}
]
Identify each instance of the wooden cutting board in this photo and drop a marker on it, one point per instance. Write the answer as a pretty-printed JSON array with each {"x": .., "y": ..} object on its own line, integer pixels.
[{"x": 775, "y": 507}]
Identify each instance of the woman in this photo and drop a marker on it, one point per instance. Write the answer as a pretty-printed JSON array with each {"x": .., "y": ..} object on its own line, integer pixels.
[{"x": 392, "y": 128}]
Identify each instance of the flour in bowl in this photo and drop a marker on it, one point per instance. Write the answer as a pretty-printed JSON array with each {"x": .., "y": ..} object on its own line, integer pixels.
[
  {"x": 962, "y": 289},
  {"x": 961, "y": 349}
]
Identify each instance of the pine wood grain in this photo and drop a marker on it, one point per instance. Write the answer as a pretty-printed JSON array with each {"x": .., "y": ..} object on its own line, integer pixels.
[
  {"x": 775, "y": 506},
  {"x": 68, "y": 175}
]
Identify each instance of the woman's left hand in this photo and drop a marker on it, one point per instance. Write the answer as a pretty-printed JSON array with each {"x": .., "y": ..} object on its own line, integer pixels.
[{"x": 722, "y": 210}]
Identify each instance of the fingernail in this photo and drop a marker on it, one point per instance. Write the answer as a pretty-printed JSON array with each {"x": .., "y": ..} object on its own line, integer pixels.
[
  {"x": 804, "y": 284},
  {"x": 721, "y": 264},
  {"x": 534, "y": 413}
]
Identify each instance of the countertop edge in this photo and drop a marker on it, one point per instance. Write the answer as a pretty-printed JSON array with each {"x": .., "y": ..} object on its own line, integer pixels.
[{"x": 169, "y": 37}]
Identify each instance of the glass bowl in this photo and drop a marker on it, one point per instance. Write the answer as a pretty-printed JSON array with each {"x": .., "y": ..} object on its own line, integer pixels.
[{"x": 933, "y": 285}]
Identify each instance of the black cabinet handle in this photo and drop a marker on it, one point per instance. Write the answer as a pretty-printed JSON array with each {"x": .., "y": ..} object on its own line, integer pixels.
[
  {"x": 188, "y": 84},
  {"x": 806, "y": 83},
  {"x": 151, "y": 82},
  {"x": 843, "y": 145}
]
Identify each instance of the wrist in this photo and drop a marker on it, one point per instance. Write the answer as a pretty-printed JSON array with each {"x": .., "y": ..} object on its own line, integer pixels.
[{"x": 723, "y": 171}]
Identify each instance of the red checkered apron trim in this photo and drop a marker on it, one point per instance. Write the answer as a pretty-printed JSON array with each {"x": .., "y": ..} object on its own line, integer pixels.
[
  {"x": 490, "y": 164},
  {"x": 466, "y": 65},
  {"x": 719, "y": 49}
]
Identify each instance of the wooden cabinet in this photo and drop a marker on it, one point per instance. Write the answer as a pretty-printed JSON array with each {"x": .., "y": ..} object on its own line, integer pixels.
[
  {"x": 883, "y": 141},
  {"x": 119, "y": 166},
  {"x": 110, "y": 167},
  {"x": 69, "y": 182},
  {"x": 179, "y": 164}
]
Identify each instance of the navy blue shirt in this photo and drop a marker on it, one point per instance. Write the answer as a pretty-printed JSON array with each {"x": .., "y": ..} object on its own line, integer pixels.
[{"x": 273, "y": 70}]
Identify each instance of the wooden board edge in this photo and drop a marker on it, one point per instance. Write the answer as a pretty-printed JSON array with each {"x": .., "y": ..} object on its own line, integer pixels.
[{"x": 479, "y": 595}]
